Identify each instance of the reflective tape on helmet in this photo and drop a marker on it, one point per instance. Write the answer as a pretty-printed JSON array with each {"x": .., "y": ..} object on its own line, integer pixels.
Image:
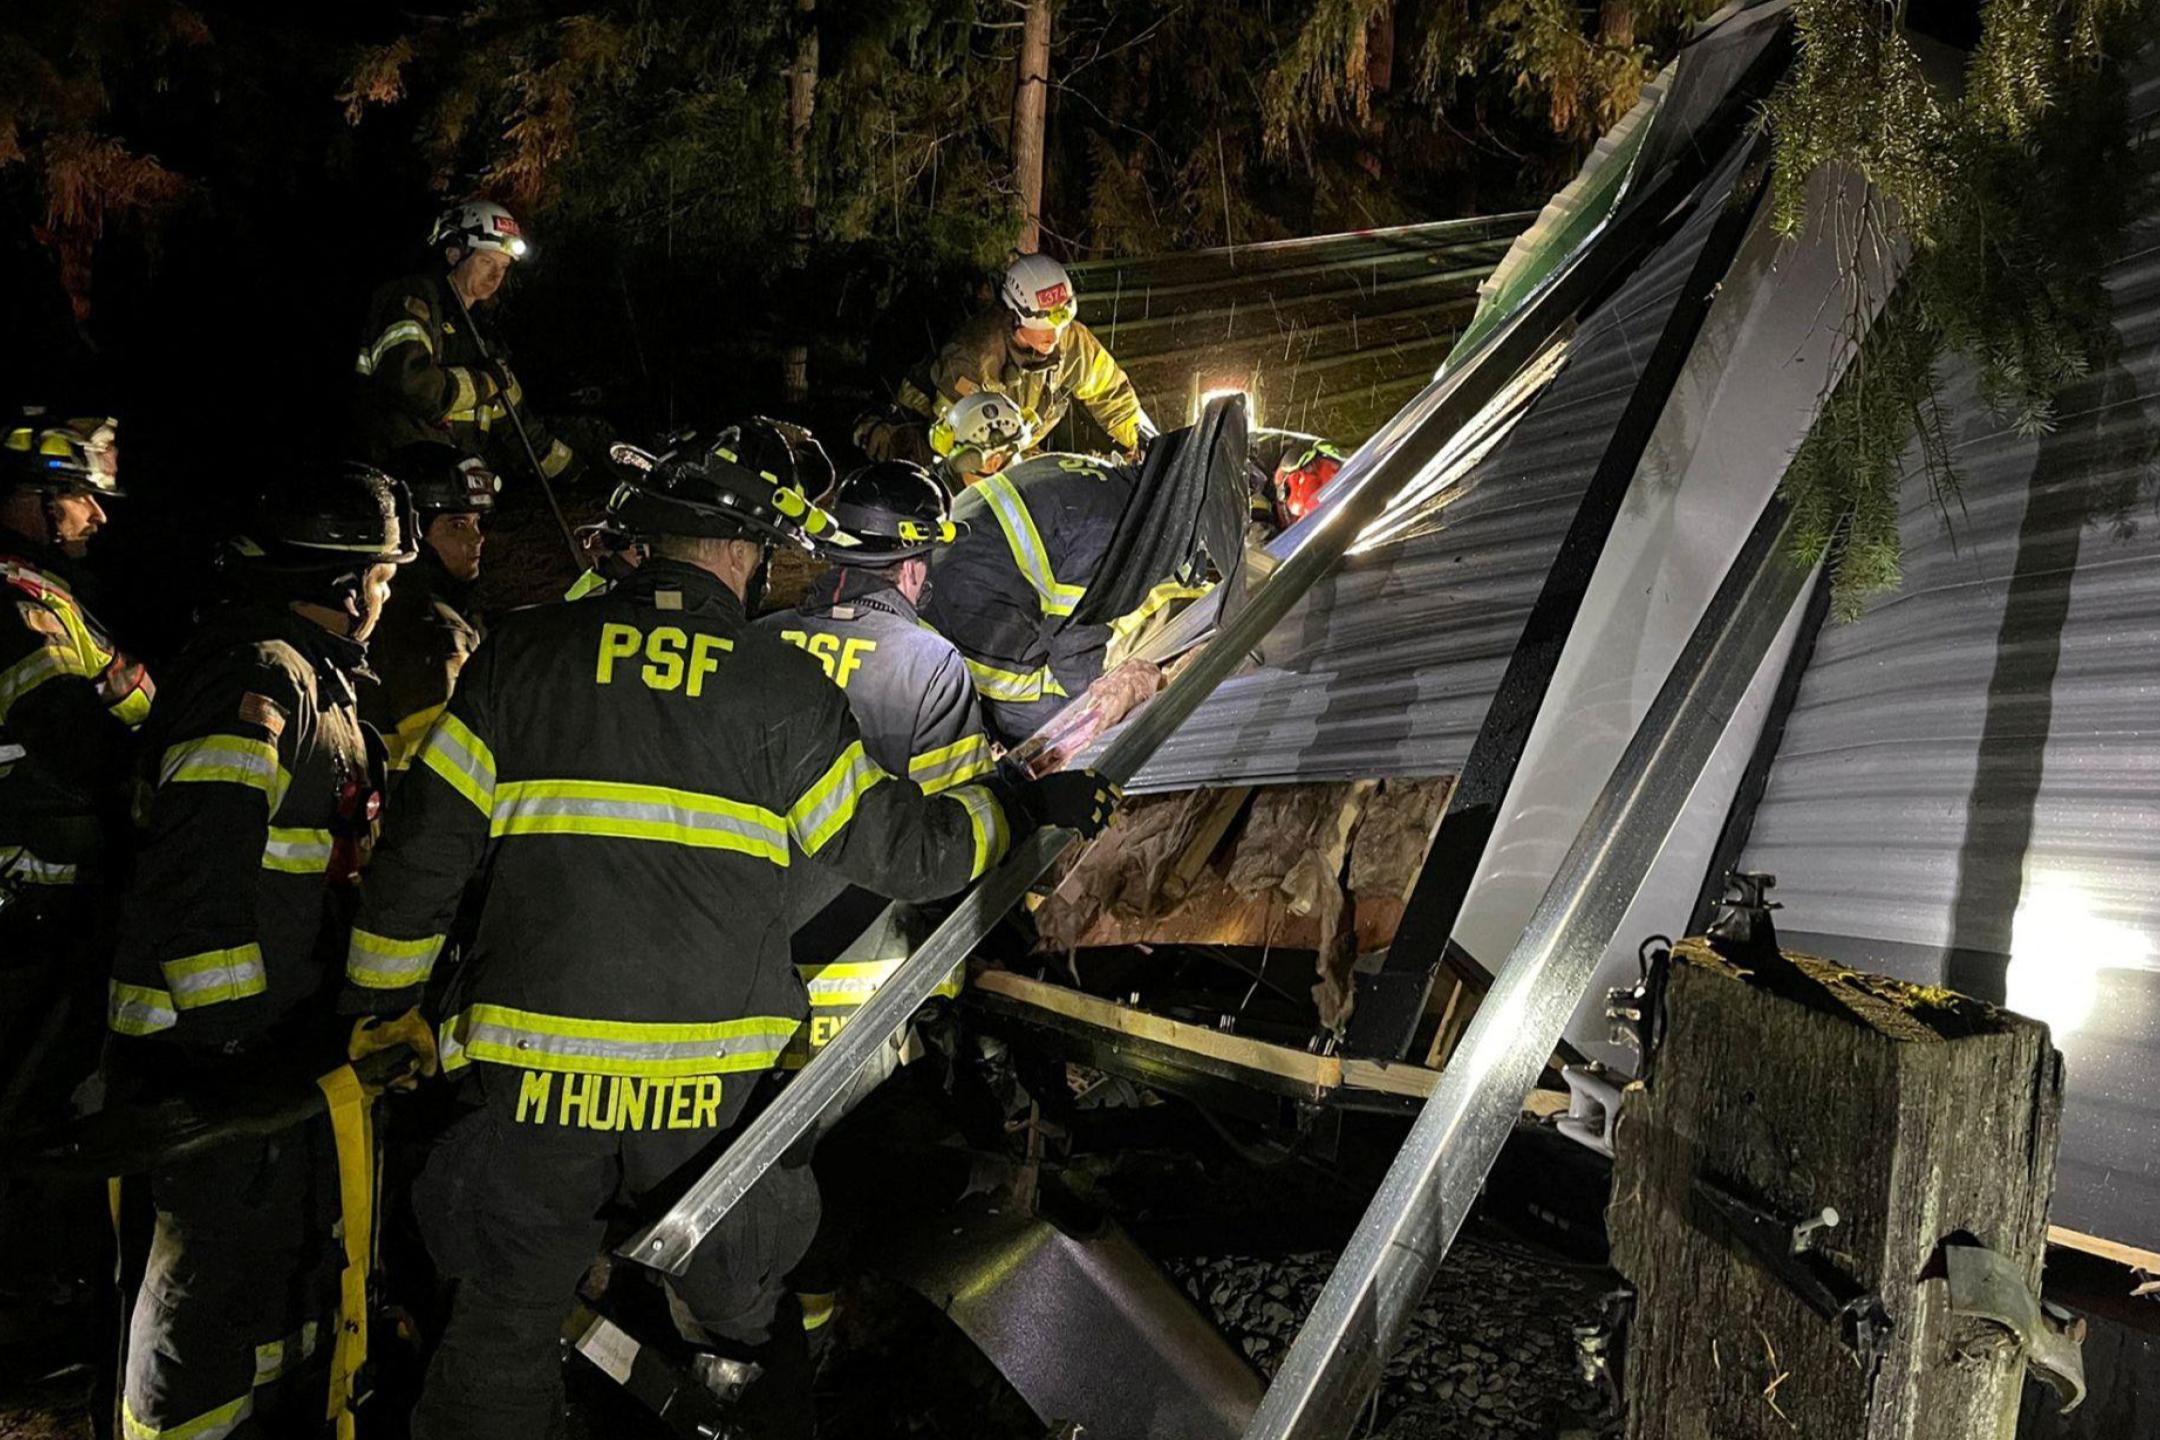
[
  {"x": 497, "y": 1034},
  {"x": 826, "y": 807},
  {"x": 138, "y": 1009},
  {"x": 214, "y": 977},
  {"x": 378, "y": 962},
  {"x": 462, "y": 760},
  {"x": 609, "y": 810},
  {"x": 950, "y": 765},
  {"x": 1026, "y": 544}
]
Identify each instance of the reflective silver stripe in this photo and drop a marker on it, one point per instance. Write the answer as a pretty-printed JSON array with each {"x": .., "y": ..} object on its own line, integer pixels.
[
  {"x": 948, "y": 765},
  {"x": 850, "y": 983},
  {"x": 404, "y": 332},
  {"x": 987, "y": 818},
  {"x": 1025, "y": 542},
  {"x": 138, "y": 1009},
  {"x": 381, "y": 963},
  {"x": 215, "y": 976},
  {"x": 226, "y": 759},
  {"x": 826, "y": 807},
  {"x": 638, "y": 812},
  {"x": 22, "y": 867},
  {"x": 458, "y": 754},
  {"x": 40, "y": 665},
  {"x": 298, "y": 851},
  {"x": 503, "y": 1036}
]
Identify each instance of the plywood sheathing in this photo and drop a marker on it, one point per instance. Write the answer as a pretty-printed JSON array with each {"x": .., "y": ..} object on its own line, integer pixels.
[{"x": 1324, "y": 868}]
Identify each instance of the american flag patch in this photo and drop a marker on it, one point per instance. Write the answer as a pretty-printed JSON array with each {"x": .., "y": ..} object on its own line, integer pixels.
[{"x": 262, "y": 710}]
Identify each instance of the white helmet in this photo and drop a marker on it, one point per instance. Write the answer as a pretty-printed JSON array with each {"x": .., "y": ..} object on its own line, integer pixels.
[
  {"x": 1037, "y": 290},
  {"x": 481, "y": 225},
  {"x": 985, "y": 421}
]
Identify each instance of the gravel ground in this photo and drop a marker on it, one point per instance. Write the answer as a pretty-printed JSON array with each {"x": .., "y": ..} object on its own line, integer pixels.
[{"x": 1490, "y": 1354}]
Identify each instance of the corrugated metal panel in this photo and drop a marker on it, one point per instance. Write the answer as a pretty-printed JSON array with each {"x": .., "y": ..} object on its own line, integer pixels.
[
  {"x": 1333, "y": 334},
  {"x": 1388, "y": 667},
  {"x": 1969, "y": 786}
]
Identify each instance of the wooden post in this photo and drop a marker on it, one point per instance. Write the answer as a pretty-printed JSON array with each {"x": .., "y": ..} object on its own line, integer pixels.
[
  {"x": 1920, "y": 1116},
  {"x": 802, "y": 111},
  {"x": 1030, "y": 89}
]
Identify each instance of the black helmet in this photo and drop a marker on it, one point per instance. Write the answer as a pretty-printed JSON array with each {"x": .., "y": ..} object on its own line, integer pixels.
[
  {"x": 444, "y": 482},
  {"x": 746, "y": 484},
  {"x": 61, "y": 456},
  {"x": 331, "y": 524},
  {"x": 890, "y": 511}
]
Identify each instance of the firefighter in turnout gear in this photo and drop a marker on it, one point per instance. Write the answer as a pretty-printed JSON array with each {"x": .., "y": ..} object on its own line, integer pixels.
[
  {"x": 647, "y": 780},
  {"x": 265, "y": 789},
  {"x": 423, "y": 377},
  {"x": 70, "y": 707},
  {"x": 427, "y": 631},
  {"x": 909, "y": 691},
  {"x": 1031, "y": 348}
]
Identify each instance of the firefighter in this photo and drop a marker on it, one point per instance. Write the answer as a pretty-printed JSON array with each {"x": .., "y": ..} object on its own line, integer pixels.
[
  {"x": 909, "y": 691},
  {"x": 979, "y": 436},
  {"x": 1050, "y": 540},
  {"x": 428, "y": 629},
  {"x": 226, "y": 967},
  {"x": 70, "y": 706},
  {"x": 1031, "y": 348},
  {"x": 648, "y": 780},
  {"x": 423, "y": 377}
]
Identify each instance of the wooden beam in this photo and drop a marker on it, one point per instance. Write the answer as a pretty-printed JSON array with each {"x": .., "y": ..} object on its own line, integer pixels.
[{"x": 2106, "y": 1249}]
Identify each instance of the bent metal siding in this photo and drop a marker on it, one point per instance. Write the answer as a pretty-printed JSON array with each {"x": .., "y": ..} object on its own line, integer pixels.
[{"x": 1968, "y": 789}]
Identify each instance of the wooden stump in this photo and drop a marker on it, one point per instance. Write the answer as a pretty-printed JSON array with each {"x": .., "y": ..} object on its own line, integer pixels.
[{"x": 1920, "y": 1116}]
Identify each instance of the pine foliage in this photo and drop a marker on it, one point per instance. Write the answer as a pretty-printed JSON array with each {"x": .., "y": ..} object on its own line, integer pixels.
[{"x": 2013, "y": 196}]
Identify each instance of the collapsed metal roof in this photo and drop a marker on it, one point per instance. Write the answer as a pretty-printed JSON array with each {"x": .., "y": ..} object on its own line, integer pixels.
[{"x": 1967, "y": 791}]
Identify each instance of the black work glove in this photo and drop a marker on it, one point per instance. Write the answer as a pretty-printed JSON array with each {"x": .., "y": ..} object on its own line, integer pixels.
[{"x": 1078, "y": 800}]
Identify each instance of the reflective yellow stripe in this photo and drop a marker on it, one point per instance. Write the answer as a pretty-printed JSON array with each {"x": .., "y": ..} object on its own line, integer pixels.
[
  {"x": 381, "y": 963},
  {"x": 816, "y": 1310},
  {"x": 1025, "y": 542},
  {"x": 462, "y": 759},
  {"x": 464, "y": 393},
  {"x": 18, "y": 866},
  {"x": 849, "y": 984},
  {"x": 950, "y": 765},
  {"x": 404, "y": 742},
  {"x": 215, "y": 976},
  {"x": 827, "y": 806},
  {"x": 229, "y": 760},
  {"x": 296, "y": 851},
  {"x": 134, "y": 707},
  {"x": 1168, "y": 592},
  {"x": 987, "y": 818},
  {"x": 556, "y": 460},
  {"x": 403, "y": 332},
  {"x": 586, "y": 584},
  {"x": 211, "y": 1425},
  {"x": 638, "y": 812},
  {"x": 1010, "y": 685},
  {"x": 47, "y": 662},
  {"x": 138, "y": 1009},
  {"x": 500, "y": 1035},
  {"x": 277, "y": 1357}
]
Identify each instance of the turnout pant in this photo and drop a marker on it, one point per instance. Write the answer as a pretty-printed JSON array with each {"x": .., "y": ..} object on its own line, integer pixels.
[
  {"x": 232, "y": 1327},
  {"x": 514, "y": 1204}
]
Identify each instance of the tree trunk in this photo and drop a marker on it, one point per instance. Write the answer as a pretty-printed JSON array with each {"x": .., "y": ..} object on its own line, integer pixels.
[
  {"x": 1920, "y": 1117},
  {"x": 1030, "y": 90},
  {"x": 802, "y": 110}
]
